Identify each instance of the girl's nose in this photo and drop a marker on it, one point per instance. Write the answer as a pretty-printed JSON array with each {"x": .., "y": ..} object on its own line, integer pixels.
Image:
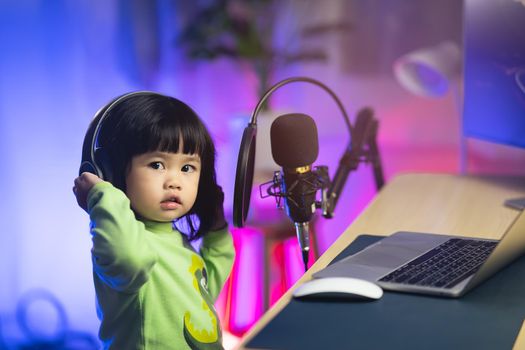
[{"x": 172, "y": 182}]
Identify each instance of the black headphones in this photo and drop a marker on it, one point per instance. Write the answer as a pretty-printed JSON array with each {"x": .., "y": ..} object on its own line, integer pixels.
[{"x": 94, "y": 157}]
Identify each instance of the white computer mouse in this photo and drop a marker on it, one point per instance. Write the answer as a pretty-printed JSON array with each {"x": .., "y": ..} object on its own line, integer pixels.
[{"x": 338, "y": 287}]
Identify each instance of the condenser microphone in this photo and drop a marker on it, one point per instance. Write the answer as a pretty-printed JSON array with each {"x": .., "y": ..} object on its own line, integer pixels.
[{"x": 295, "y": 148}]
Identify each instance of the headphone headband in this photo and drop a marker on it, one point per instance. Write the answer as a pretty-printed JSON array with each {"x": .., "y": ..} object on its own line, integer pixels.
[{"x": 93, "y": 157}]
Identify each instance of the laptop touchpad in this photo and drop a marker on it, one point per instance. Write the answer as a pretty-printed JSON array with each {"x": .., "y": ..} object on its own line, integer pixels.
[
  {"x": 397, "y": 249},
  {"x": 384, "y": 256}
]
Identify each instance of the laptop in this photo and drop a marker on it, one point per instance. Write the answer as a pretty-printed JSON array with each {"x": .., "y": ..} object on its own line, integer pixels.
[{"x": 433, "y": 264}]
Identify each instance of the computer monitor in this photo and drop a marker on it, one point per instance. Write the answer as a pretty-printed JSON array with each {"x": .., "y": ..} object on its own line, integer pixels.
[
  {"x": 494, "y": 73},
  {"x": 494, "y": 90}
]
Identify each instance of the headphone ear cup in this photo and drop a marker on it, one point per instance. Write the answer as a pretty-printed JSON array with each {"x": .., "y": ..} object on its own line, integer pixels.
[
  {"x": 102, "y": 161},
  {"x": 88, "y": 167}
]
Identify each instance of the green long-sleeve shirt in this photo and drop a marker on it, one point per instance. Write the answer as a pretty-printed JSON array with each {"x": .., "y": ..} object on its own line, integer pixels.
[{"x": 153, "y": 290}]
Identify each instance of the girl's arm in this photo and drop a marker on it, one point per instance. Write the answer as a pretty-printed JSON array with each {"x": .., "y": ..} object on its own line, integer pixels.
[
  {"x": 218, "y": 253},
  {"x": 121, "y": 254}
]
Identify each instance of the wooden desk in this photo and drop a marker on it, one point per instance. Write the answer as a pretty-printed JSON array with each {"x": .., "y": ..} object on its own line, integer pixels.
[{"x": 433, "y": 203}]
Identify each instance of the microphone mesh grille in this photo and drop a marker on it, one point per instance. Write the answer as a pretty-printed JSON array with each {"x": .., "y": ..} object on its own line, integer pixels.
[{"x": 294, "y": 140}]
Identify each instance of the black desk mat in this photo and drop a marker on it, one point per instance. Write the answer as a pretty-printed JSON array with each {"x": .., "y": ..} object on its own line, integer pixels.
[{"x": 488, "y": 317}]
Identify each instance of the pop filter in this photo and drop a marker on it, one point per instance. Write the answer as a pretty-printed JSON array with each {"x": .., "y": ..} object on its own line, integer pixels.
[{"x": 244, "y": 175}]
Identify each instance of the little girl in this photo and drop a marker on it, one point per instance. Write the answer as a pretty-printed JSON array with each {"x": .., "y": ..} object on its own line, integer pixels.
[{"x": 154, "y": 291}]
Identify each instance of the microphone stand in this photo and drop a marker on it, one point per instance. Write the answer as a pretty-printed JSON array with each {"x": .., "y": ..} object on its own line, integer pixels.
[{"x": 362, "y": 148}]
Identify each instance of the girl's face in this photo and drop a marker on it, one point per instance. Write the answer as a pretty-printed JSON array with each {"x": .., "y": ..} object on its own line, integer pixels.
[{"x": 163, "y": 186}]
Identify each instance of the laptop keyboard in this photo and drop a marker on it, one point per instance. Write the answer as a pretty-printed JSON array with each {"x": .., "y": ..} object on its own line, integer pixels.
[{"x": 444, "y": 266}]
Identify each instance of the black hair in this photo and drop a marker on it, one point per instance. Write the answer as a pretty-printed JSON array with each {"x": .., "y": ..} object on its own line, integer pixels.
[{"x": 147, "y": 122}]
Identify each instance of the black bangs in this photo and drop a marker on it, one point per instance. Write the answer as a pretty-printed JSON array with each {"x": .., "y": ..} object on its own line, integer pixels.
[
  {"x": 160, "y": 123},
  {"x": 168, "y": 136}
]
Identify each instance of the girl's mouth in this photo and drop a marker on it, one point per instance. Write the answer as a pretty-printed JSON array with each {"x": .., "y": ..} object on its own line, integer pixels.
[{"x": 170, "y": 203}]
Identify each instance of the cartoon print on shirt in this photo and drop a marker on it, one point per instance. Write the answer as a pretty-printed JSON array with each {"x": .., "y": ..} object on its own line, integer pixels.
[{"x": 202, "y": 339}]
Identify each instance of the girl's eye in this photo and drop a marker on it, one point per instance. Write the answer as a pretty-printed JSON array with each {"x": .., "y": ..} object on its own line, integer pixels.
[
  {"x": 156, "y": 165},
  {"x": 188, "y": 168}
]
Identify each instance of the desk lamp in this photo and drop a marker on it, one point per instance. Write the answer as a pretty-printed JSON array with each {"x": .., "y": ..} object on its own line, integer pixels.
[{"x": 431, "y": 72}]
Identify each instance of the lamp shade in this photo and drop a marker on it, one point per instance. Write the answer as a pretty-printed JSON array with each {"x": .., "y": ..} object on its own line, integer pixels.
[{"x": 429, "y": 71}]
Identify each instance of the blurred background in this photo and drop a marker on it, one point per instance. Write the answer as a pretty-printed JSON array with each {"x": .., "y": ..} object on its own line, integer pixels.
[{"x": 62, "y": 60}]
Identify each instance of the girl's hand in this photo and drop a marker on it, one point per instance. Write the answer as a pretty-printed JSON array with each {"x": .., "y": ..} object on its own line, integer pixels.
[{"x": 83, "y": 184}]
